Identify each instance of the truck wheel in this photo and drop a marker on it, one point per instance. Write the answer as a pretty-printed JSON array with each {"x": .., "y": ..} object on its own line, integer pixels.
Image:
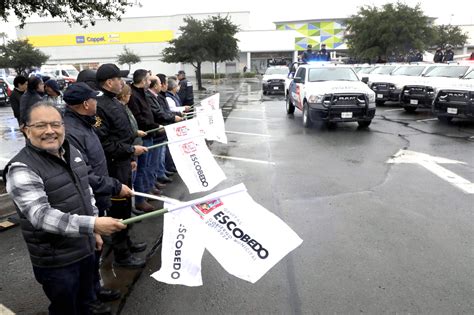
[
  {"x": 306, "y": 117},
  {"x": 409, "y": 109},
  {"x": 290, "y": 108},
  {"x": 445, "y": 119},
  {"x": 364, "y": 123},
  {"x": 265, "y": 92},
  {"x": 379, "y": 103}
]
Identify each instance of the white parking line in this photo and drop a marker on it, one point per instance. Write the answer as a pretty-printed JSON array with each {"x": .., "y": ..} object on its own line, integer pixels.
[
  {"x": 248, "y": 133},
  {"x": 244, "y": 118},
  {"x": 244, "y": 159},
  {"x": 429, "y": 119},
  {"x": 394, "y": 110}
]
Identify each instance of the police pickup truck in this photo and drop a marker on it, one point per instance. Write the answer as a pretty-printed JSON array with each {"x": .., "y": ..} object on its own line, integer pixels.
[
  {"x": 422, "y": 90},
  {"x": 456, "y": 101},
  {"x": 388, "y": 87},
  {"x": 330, "y": 93}
]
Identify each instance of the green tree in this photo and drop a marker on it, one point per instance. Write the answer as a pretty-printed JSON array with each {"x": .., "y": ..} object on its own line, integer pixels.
[
  {"x": 128, "y": 57},
  {"x": 21, "y": 55},
  {"x": 81, "y": 12},
  {"x": 211, "y": 39},
  {"x": 189, "y": 47},
  {"x": 220, "y": 38},
  {"x": 4, "y": 36},
  {"x": 449, "y": 34},
  {"x": 395, "y": 28}
]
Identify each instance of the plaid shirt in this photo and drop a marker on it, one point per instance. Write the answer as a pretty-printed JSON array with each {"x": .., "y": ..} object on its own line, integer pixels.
[{"x": 26, "y": 189}]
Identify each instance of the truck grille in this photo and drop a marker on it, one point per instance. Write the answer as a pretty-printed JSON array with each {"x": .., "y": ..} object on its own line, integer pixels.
[
  {"x": 453, "y": 96},
  {"x": 347, "y": 99}
]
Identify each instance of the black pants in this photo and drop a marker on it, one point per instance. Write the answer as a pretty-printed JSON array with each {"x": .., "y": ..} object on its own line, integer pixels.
[
  {"x": 121, "y": 208},
  {"x": 70, "y": 289}
]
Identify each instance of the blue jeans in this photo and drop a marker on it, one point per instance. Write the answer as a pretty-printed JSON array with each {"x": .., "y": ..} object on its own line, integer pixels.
[
  {"x": 70, "y": 289},
  {"x": 158, "y": 165},
  {"x": 142, "y": 180}
]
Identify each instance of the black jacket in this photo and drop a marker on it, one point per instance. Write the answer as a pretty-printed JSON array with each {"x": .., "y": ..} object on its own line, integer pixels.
[
  {"x": 27, "y": 100},
  {"x": 114, "y": 129},
  {"x": 67, "y": 188},
  {"x": 448, "y": 55},
  {"x": 80, "y": 133},
  {"x": 438, "y": 57},
  {"x": 15, "y": 98},
  {"x": 141, "y": 110},
  {"x": 185, "y": 92},
  {"x": 161, "y": 114}
]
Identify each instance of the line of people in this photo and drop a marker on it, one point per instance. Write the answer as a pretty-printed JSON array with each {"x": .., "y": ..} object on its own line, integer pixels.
[{"x": 71, "y": 184}]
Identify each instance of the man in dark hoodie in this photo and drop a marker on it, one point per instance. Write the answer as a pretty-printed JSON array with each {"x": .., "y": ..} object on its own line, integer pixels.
[
  {"x": 79, "y": 119},
  {"x": 33, "y": 94}
]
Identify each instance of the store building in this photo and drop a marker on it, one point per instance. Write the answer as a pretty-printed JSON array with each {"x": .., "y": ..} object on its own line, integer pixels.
[{"x": 148, "y": 36}]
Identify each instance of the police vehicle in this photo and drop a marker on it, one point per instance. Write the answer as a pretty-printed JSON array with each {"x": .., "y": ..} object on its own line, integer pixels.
[
  {"x": 330, "y": 93},
  {"x": 456, "y": 101},
  {"x": 388, "y": 87},
  {"x": 274, "y": 79},
  {"x": 421, "y": 92}
]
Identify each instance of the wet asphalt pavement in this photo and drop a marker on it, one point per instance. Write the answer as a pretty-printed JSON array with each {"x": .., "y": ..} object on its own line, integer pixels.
[{"x": 377, "y": 237}]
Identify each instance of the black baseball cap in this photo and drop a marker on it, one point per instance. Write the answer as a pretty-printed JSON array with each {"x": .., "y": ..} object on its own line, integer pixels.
[
  {"x": 110, "y": 71},
  {"x": 181, "y": 72},
  {"x": 79, "y": 92}
]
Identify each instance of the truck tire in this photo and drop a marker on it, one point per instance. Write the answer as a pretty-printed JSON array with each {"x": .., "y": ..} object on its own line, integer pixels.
[
  {"x": 364, "y": 123},
  {"x": 307, "y": 123},
  {"x": 290, "y": 108},
  {"x": 445, "y": 119},
  {"x": 409, "y": 109}
]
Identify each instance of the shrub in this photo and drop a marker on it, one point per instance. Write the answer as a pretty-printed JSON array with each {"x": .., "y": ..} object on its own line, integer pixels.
[{"x": 249, "y": 75}]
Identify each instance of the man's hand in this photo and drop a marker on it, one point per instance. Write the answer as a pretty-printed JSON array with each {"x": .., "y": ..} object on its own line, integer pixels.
[
  {"x": 133, "y": 164},
  {"x": 98, "y": 242},
  {"x": 187, "y": 108},
  {"x": 178, "y": 118},
  {"x": 139, "y": 149},
  {"x": 125, "y": 191},
  {"x": 141, "y": 133},
  {"x": 107, "y": 225}
]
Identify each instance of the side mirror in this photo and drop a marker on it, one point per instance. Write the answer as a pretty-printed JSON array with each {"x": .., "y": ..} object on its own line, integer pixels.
[
  {"x": 297, "y": 79},
  {"x": 365, "y": 80}
]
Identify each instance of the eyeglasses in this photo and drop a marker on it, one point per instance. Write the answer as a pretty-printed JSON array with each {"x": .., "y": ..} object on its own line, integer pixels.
[{"x": 44, "y": 125}]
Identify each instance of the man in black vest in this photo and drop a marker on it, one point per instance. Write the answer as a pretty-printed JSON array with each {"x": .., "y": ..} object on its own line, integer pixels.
[
  {"x": 116, "y": 136},
  {"x": 48, "y": 183}
]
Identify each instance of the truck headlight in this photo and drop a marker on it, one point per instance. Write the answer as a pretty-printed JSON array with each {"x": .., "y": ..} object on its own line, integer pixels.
[
  {"x": 371, "y": 97},
  {"x": 317, "y": 98}
]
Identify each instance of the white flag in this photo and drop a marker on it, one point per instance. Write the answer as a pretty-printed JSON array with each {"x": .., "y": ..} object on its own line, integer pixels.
[
  {"x": 182, "y": 249},
  {"x": 211, "y": 103},
  {"x": 211, "y": 123},
  {"x": 244, "y": 237},
  {"x": 194, "y": 162}
]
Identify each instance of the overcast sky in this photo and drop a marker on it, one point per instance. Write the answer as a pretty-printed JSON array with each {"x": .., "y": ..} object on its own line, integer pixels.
[{"x": 264, "y": 12}]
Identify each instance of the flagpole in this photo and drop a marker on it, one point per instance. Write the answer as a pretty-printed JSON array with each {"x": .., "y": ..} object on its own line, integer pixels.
[
  {"x": 156, "y": 129},
  {"x": 145, "y": 216},
  {"x": 226, "y": 192},
  {"x": 160, "y": 198},
  {"x": 169, "y": 142}
]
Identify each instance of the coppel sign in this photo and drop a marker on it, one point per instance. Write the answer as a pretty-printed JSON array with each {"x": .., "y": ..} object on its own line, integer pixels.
[{"x": 89, "y": 39}]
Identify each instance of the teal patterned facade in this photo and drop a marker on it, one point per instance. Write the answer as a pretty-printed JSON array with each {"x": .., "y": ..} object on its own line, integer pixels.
[{"x": 315, "y": 33}]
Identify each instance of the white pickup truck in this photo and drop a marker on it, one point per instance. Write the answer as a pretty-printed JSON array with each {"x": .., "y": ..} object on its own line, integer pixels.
[
  {"x": 330, "y": 93},
  {"x": 388, "y": 87},
  {"x": 456, "y": 101},
  {"x": 421, "y": 91}
]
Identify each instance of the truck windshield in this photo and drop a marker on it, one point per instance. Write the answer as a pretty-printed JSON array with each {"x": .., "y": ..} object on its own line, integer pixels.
[
  {"x": 383, "y": 70},
  {"x": 469, "y": 76},
  {"x": 277, "y": 71},
  {"x": 332, "y": 74},
  {"x": 409, "y": 71},
  {"x": 448, "y": 72}
]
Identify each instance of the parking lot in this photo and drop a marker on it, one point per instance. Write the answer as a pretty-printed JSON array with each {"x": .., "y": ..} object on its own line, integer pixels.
[{"x": 385, "y": 214}]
